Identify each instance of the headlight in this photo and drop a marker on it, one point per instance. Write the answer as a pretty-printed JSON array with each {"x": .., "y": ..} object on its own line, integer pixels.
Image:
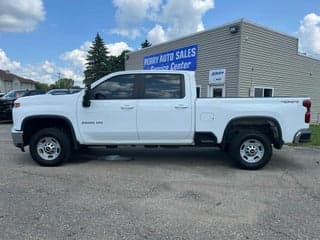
[{"x": 17, "y": 105}]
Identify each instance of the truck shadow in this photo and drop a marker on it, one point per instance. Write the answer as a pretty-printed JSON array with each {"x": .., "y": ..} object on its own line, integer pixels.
[
  {"x": 184, "y": 156},
  {"x": 5, "y": 122},
  {"x": 138, "y": 155}
]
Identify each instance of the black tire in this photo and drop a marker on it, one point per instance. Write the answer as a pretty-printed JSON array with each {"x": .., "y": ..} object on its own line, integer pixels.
[
  {"x": 58, "y": 138},
  {"x": 251, "y": 150}
]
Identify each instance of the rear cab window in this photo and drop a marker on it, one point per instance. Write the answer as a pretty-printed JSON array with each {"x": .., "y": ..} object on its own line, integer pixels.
[{"x": 163, "y": 86}]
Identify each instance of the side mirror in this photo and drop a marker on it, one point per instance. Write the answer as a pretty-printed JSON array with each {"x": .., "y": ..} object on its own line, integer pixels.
[{"x": 86, "y": 97}]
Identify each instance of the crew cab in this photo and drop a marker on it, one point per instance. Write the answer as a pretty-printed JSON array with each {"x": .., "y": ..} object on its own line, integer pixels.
[{"x": 157, "y": 108}]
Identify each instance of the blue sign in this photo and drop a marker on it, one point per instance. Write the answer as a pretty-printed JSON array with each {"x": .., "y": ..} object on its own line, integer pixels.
[{"x": 177, "y": 59}]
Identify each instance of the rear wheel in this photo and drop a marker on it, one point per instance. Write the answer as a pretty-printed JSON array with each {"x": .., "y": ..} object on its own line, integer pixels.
[
  {"x": 50, "y": 147},
  {"x": 251, "y": 150}
]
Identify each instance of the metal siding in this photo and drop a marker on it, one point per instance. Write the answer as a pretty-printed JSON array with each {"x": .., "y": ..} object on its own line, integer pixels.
[
  {"x": 217, "y": 48},
  {"x": 271, "y": 59},
  {"x": 255, "y": 56}
]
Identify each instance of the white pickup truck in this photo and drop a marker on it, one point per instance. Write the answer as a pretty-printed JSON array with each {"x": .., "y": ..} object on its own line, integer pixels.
[{"x": 157, "y": 109}]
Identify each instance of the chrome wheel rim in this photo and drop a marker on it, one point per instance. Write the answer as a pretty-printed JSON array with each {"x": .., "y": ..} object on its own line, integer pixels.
[
  {"x": 252, "y": 151},
  {"x": 48, "y": 148}
]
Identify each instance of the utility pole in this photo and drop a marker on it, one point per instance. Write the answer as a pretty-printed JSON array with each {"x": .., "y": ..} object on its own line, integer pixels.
[{"x": 59, "y": 77}]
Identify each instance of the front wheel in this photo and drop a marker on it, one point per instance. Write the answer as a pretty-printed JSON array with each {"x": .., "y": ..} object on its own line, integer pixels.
[
  {"x": 251, "y": 150},
  {"x": 50, "y": 147}
]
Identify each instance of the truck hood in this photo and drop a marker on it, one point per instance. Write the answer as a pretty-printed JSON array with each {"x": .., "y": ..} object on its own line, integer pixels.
[
  {"x": 48, "y": 99},
  {"x": 4, "y": 101}
]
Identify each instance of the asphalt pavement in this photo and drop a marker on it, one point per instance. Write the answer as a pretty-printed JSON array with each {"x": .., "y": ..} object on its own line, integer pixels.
[{"x": 187, "y": 193}]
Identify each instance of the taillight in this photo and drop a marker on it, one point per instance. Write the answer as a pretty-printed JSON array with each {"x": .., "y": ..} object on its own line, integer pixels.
[
  {"x": 307, "y": 104},
  {"x": 307, "y": 116}
]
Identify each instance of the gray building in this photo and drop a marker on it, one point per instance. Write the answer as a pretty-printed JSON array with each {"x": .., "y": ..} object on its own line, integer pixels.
[
  {"x": 240, "y": 59},
  {"x": 10, "y": 81}
]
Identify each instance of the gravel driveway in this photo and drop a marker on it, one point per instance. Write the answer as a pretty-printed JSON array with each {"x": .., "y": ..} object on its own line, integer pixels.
[{"x": 158, "y": 194}]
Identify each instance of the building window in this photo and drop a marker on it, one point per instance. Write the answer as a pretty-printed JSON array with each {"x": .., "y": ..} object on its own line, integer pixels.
[
  {"x": 216, "y": 91},
  {"x": 263, "y": 92},
  {"x": 198, "y": 91}
]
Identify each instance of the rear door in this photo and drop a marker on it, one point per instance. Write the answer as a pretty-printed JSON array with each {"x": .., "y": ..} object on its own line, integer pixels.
[{"x": 164, "y": 110}]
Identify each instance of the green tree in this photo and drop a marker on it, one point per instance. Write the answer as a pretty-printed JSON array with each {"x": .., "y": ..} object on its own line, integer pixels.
[
  {"x": 63, "y": 83},
  {"x": 146, "y": 44},
  {"x": 97, "y": 64},
  {"x": 118, "y": 63},
  {"x": 122, "y": 59},
  {"x": 42, "y": 86}
]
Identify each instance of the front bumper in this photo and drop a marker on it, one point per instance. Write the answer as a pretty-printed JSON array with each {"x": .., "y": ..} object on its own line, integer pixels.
[
  {"x": 17, "y": 138},
  {"x": 302, "y": 136},
  {"x": 5, "y": 115}
]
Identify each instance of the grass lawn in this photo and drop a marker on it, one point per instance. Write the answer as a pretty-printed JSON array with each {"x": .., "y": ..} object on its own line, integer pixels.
[{"x": 315, "y": 137}]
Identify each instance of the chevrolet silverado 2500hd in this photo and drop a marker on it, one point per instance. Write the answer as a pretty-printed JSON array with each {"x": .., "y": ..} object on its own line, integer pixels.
[{"x": 157, "y": 108}]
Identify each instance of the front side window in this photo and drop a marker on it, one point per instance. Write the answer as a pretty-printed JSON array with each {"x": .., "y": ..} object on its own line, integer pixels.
[
  {"x": 119, "y": 87},
  {"x": 163, "y": 86},
  {"x": 14, "y": 94}
]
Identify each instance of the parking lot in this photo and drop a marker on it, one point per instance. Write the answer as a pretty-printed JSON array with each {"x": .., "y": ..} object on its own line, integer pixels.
[{"x": 158, "y": 194}]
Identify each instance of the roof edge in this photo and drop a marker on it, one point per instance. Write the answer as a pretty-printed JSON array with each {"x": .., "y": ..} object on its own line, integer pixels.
[
  {"x": 241, "y": 20},
  {"x": 189, "y": 35},
  {"x": 269, "y": 29}
]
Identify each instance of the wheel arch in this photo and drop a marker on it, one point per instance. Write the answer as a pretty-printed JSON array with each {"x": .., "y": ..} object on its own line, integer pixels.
[
  {"x": 32, "y": 124},
  {"x": 254, "y": 122}
]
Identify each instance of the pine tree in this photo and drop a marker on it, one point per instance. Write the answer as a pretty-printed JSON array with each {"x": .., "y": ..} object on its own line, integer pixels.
[
  {"x": 122, "y": 59},
  {"x": 146, "y": 44},
  {"x": 97, "y": 64},
  {"x": 118, "y": 63}
]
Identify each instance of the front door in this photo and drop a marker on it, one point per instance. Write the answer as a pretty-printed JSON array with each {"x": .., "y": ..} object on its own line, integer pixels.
[{"x": 112, "y": 116}]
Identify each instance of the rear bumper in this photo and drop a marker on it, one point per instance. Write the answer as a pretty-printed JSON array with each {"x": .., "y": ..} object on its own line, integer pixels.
[
  {"x": 17, "y": 138},
  {"x": 302, "y": 136}
]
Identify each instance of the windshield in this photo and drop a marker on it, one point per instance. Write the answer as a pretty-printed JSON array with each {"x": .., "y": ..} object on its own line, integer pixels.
[
  {"x": 14, "y": 94},
  {"x": 58, "y": 92},
  {"x": 63, "y": 91}
]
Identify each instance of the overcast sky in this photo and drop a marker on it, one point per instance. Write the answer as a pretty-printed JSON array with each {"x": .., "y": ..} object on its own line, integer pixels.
[{"x": 39, "y": 38}]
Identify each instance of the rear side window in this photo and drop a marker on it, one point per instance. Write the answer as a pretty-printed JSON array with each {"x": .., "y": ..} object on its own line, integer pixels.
[
  {"x": 163, "y": 86},
  {"x": 119, "y": 87}
]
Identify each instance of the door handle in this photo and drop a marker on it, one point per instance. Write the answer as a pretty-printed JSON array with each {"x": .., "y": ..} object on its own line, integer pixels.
[
  {"x": 181, "y": 106},
  {"x": 127, "y": 107}
]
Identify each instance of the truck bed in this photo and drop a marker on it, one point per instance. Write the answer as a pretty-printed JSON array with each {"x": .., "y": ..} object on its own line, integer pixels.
[{"x": 211, "y": 113}]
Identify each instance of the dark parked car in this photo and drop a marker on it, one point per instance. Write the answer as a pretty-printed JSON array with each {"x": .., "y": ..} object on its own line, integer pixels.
[
  {"x": 1, "y": 95},
  {"x": 6, "y": 102},
  {"x": 64, "y": 91}
]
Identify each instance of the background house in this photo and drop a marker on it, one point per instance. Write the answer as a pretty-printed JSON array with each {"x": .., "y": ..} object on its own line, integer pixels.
[{"x": 10, "y": 81}]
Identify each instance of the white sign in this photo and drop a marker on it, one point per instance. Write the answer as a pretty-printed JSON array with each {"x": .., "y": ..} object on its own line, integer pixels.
[{"x": 217, "y": 76}]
